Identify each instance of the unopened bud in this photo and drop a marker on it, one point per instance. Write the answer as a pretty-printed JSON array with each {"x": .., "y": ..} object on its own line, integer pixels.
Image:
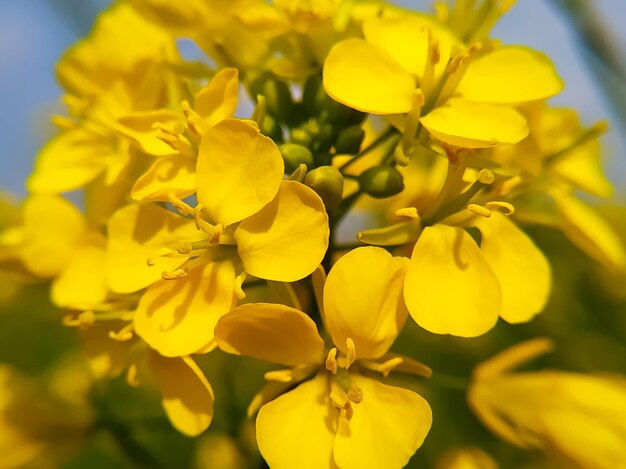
[
  {"x": 276, "y": 93},
  {"x": 349, "y": 140},
  {"x": 271, "y": 128},
  {"x": 328, "y": 183},
  {"x": 381, "y": 181},
  {"x": 295, "y": 155}
]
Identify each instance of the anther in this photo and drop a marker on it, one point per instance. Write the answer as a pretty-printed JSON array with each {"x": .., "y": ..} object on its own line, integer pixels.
[
  {"x": 409, "y": 212},
  {"x": 124, "y": 334},
  {"x": 132, "y": 376},
  {"x": 355, "y": 395},
  {"x": 183, "y": 207},
  {"x": 239, "y": 285},
  {"x": 351, "y": 355},
  {"x": 63, "y": 122},
  {"x": 508, "y": 208},
  {"x": 486, "y": 176},
  {"x": 282, "y": 376},
  {"x": 174, "y": 274},
  {"x": 479, "y": 210},
  {"x": 331, "y": 360},
  {"x": 339, "y": 399},
  {"x": 194, "y": 121},
  {"x": 184, "y": 246}
]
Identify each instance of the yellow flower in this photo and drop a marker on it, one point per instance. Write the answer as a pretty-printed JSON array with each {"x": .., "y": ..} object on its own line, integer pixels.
[
  {"x": 56, "y": 243},
  {"x": 463, "y": 96},
  {"x": 466, "y": 458},
  {"x": 581, "y": 417},
  {"x": 336, "y": 416},
  {"x": 248, "y": 221}
]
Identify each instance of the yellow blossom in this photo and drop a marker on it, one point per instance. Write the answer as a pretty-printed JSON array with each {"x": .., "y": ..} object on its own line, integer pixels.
[{"x": 337, "y": 416}]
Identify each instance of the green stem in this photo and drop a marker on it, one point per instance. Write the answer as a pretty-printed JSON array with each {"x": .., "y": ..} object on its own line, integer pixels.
[{"x": 375, "y": 144}]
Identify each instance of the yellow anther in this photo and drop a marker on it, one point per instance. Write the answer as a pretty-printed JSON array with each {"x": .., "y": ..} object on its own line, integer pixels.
[
  {"x": 239, "y": 285},
  {"x": 387, "y": 367},
  {"x": 435, "y": 51},
  {"x": 409, "y": 212},
  {"x": 508, "y": 185},
  {"x": 456, "y": 62},
  {"x": 486, "y": 176},
  {"x": 63, "y": 122},
  {"x": 132, "y": 376},
  {"x": 174, "y": 274},
  {"x": 87, "y": 318},
  {"x": 162, "y": 252},
  {"x": 282, "y": 376},
  {"x": 183, "y": 207},
  {"x": 331, "y": 360},
  {"x": 217, "y": 234},
  {"x": 184, "y": 246},
  {"x": 124, "y": 334},
  {"x": 194, "y": 121},
  {"x": 355, "y": 395},
  {"x": 479, "y": 210},
  {"x": 508, "y": 208},
  {"x": 351, "y": 355},
  {"x": 70, "y": 321},
  {"x": 339, "y": 399}
]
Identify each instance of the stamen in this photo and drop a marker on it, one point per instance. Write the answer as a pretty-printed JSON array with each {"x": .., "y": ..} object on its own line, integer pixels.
[
  {"x": 479, "y": 210},
  {"x": 331, "y": 360},
  {"x": 508, "y": 208},
  {"x": 339, "y": 399},
  {"x": 183, "y": 207},
  {"x": 63, "y": 122},
  {"x": 282, "y": 376},
  {"x": 86, "y": 318},
  {"x": 355, "y": 395},
  {"x": 174, "y": 274},
  {"x": 351, "y": 357},
  {"x": 410, "y": 212},
  {"x": 124, "y": 334},
  {"x": 239, "y": 279},
  {"x": 194, "y": 121},
  {"x": 162, "y": 252},
  {"x": 132, "y": 378},
  {"x": 486, "y": 176}
]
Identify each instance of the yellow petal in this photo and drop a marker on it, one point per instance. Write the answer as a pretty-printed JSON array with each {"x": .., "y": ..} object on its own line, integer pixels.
[
  {"x": 270, "y": 332},
  {"x": 82, "y": 283},
  {"x": 298, "y": 428},
  {"x": 175, "y": 175},
  {"x": 475, "y": 125},
  {"x": 69, "y": 161},
  {"x": 590, "y": 232},
  {"x": 387, "y": 427},
  {"x": 405, "y": 38},
  {"x": 363, "y": 300},
  {"x": 186, "y": 394},
  {"x": 107, "y": 357},
  {"x": 449, "y": 287},
  {"x": 218, "y": 100},
  {"x": 287, "y": 239},
  {"x": 510, "y": 75},
  {"x": 139, "y": 128},
  {"x": 177, "y": 317},
  {"x": 522, "y": 269},
  {"x": 53, "y": 228},
  {"x": 365, "y": 77},
  {"x": 239, "y": 171},
  {"x": 137, "y": 233}
]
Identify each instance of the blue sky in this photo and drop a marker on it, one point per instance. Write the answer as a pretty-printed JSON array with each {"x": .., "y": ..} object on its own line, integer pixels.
[{"x": 33, "y": 36}]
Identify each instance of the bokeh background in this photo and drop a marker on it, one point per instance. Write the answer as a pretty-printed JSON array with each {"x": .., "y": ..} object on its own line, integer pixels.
[{"x": 585, "y": 38}]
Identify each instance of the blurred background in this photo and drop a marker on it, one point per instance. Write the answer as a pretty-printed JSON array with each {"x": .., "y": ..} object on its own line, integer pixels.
[
  {"x": 585, "y": 39},
  {"x": 113, "y": 425}
]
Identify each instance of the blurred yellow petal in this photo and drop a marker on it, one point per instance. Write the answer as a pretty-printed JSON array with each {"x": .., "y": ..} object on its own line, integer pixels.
[
  {"x": 185, "y": 392},
  {"x": 387, "y": 427},
  {"x": 363, "y": 300},
  {"x": 522, "y": 270},
  {"x": 469, "y": 124},
  {"x": 69, "y": 161},
  {"x": 177, "y": 317},
  {"x": 82, "y": 283},
  {"x": 510, "y": 75},
  {"x": 137, "y": 233},
  {"x": 450, "y": 288},
  {"x": 271, "y": 332},
  {"x": 218, "y": 100},
  {"x": 107, "y": 357},
  {"x": 466, "y": 458},
  {"x": 53, "y": 228},
  {"x": 140, "y": 129},
  {"x": 175, "y": 175},
  {"x": 298, "y": 428},
  {"x": 287, "y": 239},
  {"x": 590, "y": 232},
  {"x": 239, "y": 171},
  {"x": 365, "y": 77}
]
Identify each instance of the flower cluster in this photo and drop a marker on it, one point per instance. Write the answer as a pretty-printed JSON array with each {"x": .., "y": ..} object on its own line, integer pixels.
[{"x": 215, "y": 192}]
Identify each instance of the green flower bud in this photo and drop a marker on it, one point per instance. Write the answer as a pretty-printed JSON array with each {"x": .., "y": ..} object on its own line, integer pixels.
[
  {"x": 276, "y": 94},
  {"x": 313, "y": 96},
  {"x": 324, "y": 136},
  {"x": 295, "y": 155},
  {"x": 349, "y": 140},
  {"x": 301, "y": 136},
  {"x": 328, "y": 183},
  {"x": 271, "y": 128},
  {"x": 381, "y": 181}
]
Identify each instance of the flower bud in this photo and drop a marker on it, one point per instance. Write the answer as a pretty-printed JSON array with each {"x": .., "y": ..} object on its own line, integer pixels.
[
  {"x": 381, "y": 181},
  {"x": 328, "y": 183},
  {"x": 301, "y": 136},
  {"x": 271, "y": 128},
  {"x": 313, "y": 96},
  {"x": 349, "y": 140},
  {"x": 277, "y": 95},
  {"x": 295, "y": 155}
]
